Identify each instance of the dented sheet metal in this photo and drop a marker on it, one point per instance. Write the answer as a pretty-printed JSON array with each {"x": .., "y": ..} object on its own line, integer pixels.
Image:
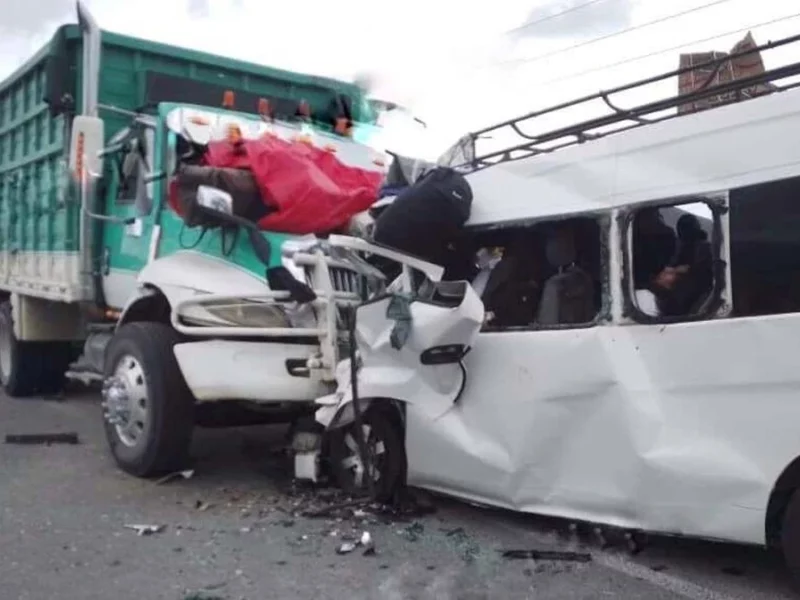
[
  {"x": 644, "y": 427},
  {"x": 387, "y": 371}
]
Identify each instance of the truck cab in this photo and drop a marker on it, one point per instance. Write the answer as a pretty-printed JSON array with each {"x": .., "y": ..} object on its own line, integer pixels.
[
  {"x": 203, "y": 288},
  {"x": 181, "y": 309}
]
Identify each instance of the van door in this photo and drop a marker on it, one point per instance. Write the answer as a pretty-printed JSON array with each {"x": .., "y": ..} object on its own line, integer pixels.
[
  {"x": 127, "y": 247},
  {"x": 537, "y": 379}
]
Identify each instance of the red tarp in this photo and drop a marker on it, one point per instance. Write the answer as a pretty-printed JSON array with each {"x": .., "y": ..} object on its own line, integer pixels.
[{"x": 310, "y": 190}]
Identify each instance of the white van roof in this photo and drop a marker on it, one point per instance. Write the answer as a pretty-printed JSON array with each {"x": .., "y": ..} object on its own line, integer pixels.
[{"x": 710, "y": 151}]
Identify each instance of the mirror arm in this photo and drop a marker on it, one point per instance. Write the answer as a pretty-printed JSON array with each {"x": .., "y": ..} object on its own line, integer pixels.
[
  {"x": 110, "y": 150},
  {"x": 109, "y": 219},
  {"x": 157, "y": 176}
]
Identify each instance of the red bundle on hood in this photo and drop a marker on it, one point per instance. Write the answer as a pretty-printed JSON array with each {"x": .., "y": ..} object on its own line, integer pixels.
[{"x": 308, "y": 188}]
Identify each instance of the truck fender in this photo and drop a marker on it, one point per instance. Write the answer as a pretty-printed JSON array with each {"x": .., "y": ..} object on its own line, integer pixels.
[{"x": 149, "y": 304}]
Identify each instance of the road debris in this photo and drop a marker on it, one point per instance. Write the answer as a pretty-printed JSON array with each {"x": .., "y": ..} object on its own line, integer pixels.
[
  {"x": 548, "y": 555},
  {"x": 635, "y": 541},
  {"x": 187, "y": 474},
  {"x": 364, "y": 541},
  {"x": 600, "y": 537},
  {"x": 215, "y": 586},
  {"x": 367, "y": 544},
  {"x": 413, "y": 531},
  {"x": 202, "y": 506},
  {"x": 346, "y": 547},
  {"x": 142, "y": 530},
  {"x": 334, "y": 510},
  {"x": 43, "y": 438}
]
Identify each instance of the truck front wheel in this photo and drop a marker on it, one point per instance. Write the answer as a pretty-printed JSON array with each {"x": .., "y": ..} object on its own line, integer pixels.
[
  {"x": 147, "y": 407},
  {"x": 30, "y": 368}
]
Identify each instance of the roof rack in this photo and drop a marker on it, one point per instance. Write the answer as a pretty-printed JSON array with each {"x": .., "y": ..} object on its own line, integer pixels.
[{"x": 463, "y": 153}]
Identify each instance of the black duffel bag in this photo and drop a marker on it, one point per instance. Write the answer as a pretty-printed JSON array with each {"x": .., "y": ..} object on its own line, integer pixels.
[{"x": 426, "y": 217}]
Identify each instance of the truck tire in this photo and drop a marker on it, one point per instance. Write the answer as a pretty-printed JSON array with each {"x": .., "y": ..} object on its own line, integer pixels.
[
  {"x": 148, "y": 408},
  {"x": 790, "y": 537},
  {"x": 30, "y": 368},
  {"x": 384, "y": 436}
]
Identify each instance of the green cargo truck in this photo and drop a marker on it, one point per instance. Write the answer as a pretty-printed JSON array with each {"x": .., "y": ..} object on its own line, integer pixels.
[{"x": 100, "y": 280}]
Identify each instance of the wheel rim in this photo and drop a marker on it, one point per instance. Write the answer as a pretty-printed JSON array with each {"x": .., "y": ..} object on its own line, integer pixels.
[
  {"x": 351, "y": 462},
  {"x": 125, "y": 401},
  {"x": 6, "y": 344}
]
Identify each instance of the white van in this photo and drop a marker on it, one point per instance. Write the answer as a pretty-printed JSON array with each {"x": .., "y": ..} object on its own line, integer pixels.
[{"x": 648, "y": 377}]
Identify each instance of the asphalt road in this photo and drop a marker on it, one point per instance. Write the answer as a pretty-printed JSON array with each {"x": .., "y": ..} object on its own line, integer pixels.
[{"x": 231, "y": 532}]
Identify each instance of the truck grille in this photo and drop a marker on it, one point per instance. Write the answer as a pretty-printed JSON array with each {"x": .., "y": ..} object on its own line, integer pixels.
[{"x": 345, "y": 280}]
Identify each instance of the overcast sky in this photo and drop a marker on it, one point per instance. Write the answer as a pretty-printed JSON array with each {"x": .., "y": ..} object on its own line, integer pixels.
[{"x": 459, "y": 66}]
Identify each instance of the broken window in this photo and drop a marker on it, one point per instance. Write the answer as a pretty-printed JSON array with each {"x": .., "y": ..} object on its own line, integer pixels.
[
  {"x": 765, "y": 248},
  {"x": 672, "y": 266},
  {"x": 538, "y": 276}
]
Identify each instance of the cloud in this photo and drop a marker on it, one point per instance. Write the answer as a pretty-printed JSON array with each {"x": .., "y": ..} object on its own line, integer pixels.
[
  {"x": 23, "y": 18},
  {"x": 575, "y": 19},
  {"x": 454, "y": 78},
  {"x": 199, "y": 9}
]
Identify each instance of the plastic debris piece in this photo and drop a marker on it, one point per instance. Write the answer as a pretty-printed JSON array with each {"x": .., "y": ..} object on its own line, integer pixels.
[
  {"x": 346, "y": 548},
  {"x": 202, "y": 506},
  {"x": 548, "y": 555},
  {"x": 43, "y": 438},
  {"x": 367, "y": 543},
  {"x": 457, "y": 532},
  {"x": 142, "y": 530},
  {"x": 187, "y": 474}
]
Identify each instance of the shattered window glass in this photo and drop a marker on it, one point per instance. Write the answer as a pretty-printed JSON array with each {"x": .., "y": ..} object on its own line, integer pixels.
[{"x": 672, "y": 259}]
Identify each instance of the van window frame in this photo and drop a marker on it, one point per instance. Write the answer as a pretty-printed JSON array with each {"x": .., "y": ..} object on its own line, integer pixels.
[
  {"x": 603, "y": 220},
  {"x": 718, "y": 204}
]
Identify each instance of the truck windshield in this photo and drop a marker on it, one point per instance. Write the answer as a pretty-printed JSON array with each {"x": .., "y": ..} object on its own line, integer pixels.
[{"x": 395, "y": 131}]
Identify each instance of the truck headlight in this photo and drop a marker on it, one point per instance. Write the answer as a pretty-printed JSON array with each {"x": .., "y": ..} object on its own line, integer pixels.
[{"x": 249, "y": 314}]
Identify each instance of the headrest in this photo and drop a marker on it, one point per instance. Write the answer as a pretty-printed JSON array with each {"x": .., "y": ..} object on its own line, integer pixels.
[
  {"x": 560, "y": 248},
  {"x": 689, "y": 228}
]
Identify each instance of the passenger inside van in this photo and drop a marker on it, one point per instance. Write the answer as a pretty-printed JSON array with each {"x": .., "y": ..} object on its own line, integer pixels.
[
  {"x": 672, "y": 269},
  {"x": 653, "y": 248},
  {"x": 693, "y": 264}
]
